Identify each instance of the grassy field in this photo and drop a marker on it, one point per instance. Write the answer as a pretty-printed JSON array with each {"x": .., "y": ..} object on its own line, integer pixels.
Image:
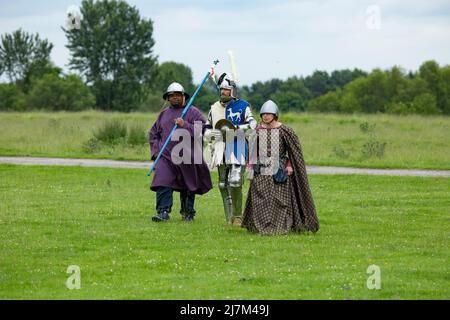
[
  {"x": 98, "y": 219},
  {"x": 382, "y": 141}
]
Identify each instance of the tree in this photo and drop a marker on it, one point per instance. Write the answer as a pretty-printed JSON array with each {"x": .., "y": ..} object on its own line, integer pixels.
[
  {"x": 22, "y": 56},
  {"x": 292, "y": 94},
  {"x": 51, "y": 92},
  {"x": 259, "y": 92},
  {"x": 366, "y": 94},
  {"x": 339, "y": 78},
  {"x": 11, "y": 98},
  {"x": 425, "y": 104},
  {"x": 256, "y": 100},
  {"x": 432, "y": 74},
  {"x": 318, "y": 83},
  {"x": 169, "y": 72},
  {"x": 289, "y": 100},
  {"x": 296, "y": 85},
  {"x": 399, "y": 108},
  {"x": 265, "y": 89},
  {"x": 112, "y": 49},
  {"x": 445, "y": 76},
  {"x": 329, "y": 102},
  {"x": 206, "y": 97},
  {"x": 396, "y": 84}
]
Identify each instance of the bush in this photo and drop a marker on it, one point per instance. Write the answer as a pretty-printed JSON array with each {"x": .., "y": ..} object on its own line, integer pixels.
[
  {"x": 349, "y": 103},
  {"x": 11, "y": 98},
  {"x": 425, "y": 104},
  {"x": 92, "y": 145},
  {"x": 289, "y": 100},
  {"x": 137, "y": 136},
  {"x": 54, "y": 93},
  {"x": 329, "y": 102},
  {"x": 366, "y": 127},
  {"x": 204, "y": 101},
  {"x": 153, "y": 102},
  {"x": 111, "y": 132},
  {"x": 398, "y": 108},
  {"x": 373, "y": 148},
  {"x": 341, "y": 152}
]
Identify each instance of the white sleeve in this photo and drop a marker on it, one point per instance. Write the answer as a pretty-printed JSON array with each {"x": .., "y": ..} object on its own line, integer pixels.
[{"x": 249, "y": 118}]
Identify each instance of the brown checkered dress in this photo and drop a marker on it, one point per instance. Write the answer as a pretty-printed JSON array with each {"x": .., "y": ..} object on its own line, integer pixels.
[{"x": 273, "y": 208}]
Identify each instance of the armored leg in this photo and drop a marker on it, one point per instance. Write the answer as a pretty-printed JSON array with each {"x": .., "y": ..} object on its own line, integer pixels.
[
  {"x": 236, "y": 181},
  {"x": 225, "y": 192}
]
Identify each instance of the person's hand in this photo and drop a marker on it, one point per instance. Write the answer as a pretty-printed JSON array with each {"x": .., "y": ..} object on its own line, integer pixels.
[
  {"x": 250, "y": 133},
  {"x": 290, "y": 171},
  {"x": 179, "y": 122}
]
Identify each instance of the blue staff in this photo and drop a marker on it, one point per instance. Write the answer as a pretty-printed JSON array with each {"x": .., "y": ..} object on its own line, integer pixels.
[{"x": 208, "y": 74}]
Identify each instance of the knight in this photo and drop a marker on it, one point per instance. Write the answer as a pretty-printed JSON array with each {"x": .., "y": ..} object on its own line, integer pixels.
[{"x": 227, "y": 118}]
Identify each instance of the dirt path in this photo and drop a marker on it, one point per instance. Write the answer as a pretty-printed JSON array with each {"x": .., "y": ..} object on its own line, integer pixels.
[{"x": 146, "y": 165}]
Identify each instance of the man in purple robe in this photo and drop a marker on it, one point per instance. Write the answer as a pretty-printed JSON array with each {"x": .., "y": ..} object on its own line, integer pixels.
[{"x": 188, "y": 177}]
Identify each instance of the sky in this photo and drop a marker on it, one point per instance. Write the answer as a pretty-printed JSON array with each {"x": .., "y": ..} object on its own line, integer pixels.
[{"x": 270, "y": 39}]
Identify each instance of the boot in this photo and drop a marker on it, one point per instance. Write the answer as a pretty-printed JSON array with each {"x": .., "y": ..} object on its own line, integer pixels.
[
  {"x": 163, "y": 215},
  {"x": 189, "y": 216},
  {"x": 237, "y": 221},
  {"x": 187, "y": 200}
]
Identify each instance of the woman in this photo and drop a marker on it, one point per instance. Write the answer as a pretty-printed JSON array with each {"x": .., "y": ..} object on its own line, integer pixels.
[{"x": 279, "y": 201}]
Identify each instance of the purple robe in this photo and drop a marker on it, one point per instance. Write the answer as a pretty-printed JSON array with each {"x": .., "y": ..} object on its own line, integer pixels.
[{"x": 193, "y": 177}]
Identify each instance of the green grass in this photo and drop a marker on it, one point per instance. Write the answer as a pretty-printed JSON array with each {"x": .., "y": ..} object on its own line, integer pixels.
[
  {"x": 328, "y": 139},
  {"x": 63, "y": 134},
  {"x": 98, "y": 219}
]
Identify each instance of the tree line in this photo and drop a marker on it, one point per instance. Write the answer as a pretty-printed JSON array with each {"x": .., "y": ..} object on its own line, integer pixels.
[{"x": 113, "y": 68}]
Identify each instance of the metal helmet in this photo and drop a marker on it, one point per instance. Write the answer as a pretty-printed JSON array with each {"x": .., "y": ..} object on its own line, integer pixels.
[
  {"x": 175, "y": 87},
  {"x": 227, "y": 82},
  {"x": 269, "y": 107}
]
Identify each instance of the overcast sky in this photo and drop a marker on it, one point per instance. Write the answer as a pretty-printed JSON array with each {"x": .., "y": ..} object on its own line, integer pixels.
[{"x": 270, "y": 39}]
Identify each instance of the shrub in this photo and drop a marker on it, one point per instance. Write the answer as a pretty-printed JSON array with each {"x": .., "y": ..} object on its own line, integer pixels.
[
  {"x": 91, "y": 146},
  {"x": 137, "y": 136},
  {"x": 54, "y": 93},
  {"x": 373, "y": 148},
  {"x": 111, "y": 132},
  {"x": 398, "y": 108},
  {"x": 153, "y": 102},
  {"x": 425, "y": 104},
  {"x": 11, "y": 98},
  {"x": 366, "y": 127},
  {"x": 329, "y": 102},
  {"x": 340, "y": 152}
]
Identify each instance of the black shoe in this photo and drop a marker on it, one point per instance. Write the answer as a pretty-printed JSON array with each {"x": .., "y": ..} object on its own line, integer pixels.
[
  {"x": 189, "y": 217},
  {"x": 161, "y": 216}
]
